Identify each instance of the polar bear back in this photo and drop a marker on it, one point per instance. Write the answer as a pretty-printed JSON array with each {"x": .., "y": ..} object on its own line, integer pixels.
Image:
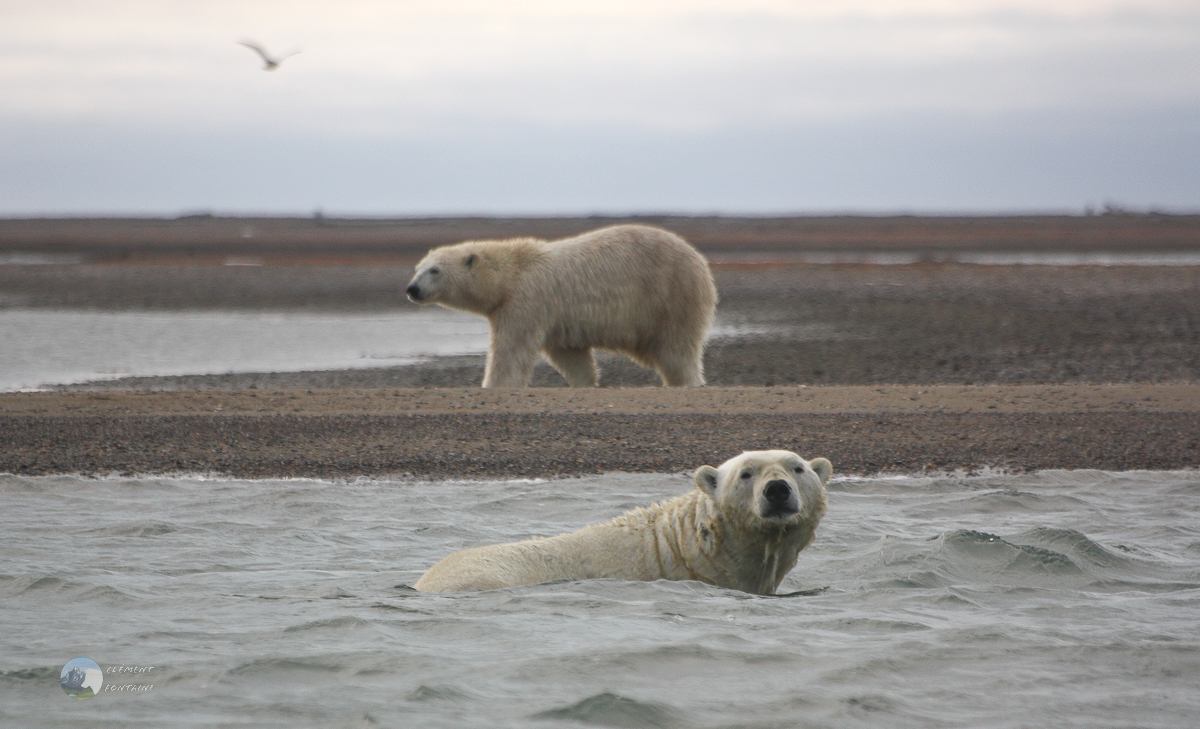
[
  {"x": 642, "y": 544},
  {"x": 626, "y": 287},
  {"x": 578, "y": 555}
]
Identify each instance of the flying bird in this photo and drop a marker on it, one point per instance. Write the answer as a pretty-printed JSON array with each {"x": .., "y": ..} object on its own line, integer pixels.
[{"x": 271, "y": 63}]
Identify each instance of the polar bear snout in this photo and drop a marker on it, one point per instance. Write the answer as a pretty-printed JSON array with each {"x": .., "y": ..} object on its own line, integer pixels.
[
  {"x": 778, "y": 491},
  {"x": 779, "y": 499},
  {"x": 425, "y": 284}
]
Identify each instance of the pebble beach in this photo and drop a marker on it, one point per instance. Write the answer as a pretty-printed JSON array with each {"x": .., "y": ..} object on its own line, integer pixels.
[{"x": 929, "y": 364}]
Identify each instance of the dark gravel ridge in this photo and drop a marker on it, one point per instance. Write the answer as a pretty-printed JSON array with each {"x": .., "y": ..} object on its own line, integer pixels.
[{"x": 531, "y": 445}]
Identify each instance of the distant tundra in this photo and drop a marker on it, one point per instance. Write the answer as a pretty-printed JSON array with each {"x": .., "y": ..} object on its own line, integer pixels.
[
  {"x": 633, "y": 289},
  {"x": 742, "y": 527}
]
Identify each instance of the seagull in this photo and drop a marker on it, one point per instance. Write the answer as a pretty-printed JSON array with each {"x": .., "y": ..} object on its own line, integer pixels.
[{"x": 271, "y": 63}]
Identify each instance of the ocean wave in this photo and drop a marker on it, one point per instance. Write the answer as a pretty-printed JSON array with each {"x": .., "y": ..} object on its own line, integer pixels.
[
  {"x": 136, "y": 529},
  {"x": 46, "y": 588},
  {"x": 334, "y": 624},
  {"x": 609, "y": 709}
]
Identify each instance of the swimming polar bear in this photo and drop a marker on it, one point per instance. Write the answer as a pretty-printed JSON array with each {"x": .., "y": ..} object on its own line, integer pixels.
[
  {"x": 632, "y": 289},
  {"x": 742, "y": 528}
]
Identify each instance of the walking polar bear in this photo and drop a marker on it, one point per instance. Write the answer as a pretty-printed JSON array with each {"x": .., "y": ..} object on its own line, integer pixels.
[
  {"x": 741, "y": 528},
  {"x": 632, "y": 289}
]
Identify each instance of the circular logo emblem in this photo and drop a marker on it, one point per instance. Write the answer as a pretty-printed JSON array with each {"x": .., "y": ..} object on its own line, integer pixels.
[{"x": 81, "y": 678}]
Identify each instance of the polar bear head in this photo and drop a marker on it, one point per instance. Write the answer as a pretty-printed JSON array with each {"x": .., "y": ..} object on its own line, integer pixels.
[
  {"x": 768, "y": 489},
  {"x": 442, "y": 273},
  {"x": 474, "y": 276}
]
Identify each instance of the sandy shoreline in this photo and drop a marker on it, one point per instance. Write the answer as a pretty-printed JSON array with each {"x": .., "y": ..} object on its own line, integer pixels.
[
  {"x": 863, "y": 399},
  {"x": 469, "y": 433},
  {"x": 937, "y": 364}
]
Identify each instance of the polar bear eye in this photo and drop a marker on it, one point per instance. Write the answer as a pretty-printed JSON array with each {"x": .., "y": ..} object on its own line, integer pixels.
[
  {"x": 435, "y": 270},
  {"x": 799, "y": 469},
  {"x": 747, "y": 474}
]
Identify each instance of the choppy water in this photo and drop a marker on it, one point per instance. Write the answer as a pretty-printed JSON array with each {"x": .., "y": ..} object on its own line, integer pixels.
[{"x": 1054, "y": 599}]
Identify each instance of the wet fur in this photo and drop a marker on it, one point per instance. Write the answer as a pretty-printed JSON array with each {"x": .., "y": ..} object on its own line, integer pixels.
[{"x": 716, "y": 534}]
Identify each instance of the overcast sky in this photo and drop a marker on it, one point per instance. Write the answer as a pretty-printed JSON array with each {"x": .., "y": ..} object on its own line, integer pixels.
[{"x": 605, "y": 106}]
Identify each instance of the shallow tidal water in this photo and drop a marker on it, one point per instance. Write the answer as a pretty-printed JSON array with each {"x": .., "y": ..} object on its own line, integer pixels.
[
  {"x": 48, "y": 347},
  {"x": 1051, "y": 599},
  {"x": 62, "y": 346}
]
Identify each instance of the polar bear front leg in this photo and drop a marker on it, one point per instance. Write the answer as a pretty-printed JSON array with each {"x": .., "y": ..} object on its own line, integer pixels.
[
  {"x": 512, "y": 353},
  {"x": 577, "y": 366}
]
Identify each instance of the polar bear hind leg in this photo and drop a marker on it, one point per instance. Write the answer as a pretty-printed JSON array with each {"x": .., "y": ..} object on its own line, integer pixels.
[
  {"x": 682, "y": 367},
  {"x": 681, "y": 374},
  {"x": 577, "y": 366}
]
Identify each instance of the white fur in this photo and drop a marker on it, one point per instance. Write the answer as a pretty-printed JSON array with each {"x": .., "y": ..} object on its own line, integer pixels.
[
  {"x": 724, "y": 533},
  {"x": 632, "y": 289}
]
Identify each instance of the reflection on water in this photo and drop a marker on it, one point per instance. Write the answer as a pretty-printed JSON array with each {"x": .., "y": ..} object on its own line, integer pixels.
[{"x": 1046, "y": 599}]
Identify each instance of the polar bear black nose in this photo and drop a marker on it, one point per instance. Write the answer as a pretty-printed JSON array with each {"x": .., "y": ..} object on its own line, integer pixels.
[
  {"x": 414, "y": 291},
  {"x": 778, "y": 491}
]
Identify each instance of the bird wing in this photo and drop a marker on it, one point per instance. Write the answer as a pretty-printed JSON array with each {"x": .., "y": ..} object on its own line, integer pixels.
[{"x": 257, "y": 49}]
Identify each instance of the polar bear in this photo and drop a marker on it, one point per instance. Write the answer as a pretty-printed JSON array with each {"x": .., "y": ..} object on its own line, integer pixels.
[
  {"x": 632, "y": 289},
  {"x": 741, "y": 528}
]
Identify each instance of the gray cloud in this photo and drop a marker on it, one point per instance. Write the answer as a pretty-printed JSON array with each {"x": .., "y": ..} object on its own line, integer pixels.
[{"x": 757, "y": 107}]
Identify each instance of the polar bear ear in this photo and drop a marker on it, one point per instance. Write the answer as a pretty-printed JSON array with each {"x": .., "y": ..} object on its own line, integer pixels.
[
  {"x": 470, "y": 260},
  {"x": 823, "y": 468},
  {"x": 707, "y": 479}
]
